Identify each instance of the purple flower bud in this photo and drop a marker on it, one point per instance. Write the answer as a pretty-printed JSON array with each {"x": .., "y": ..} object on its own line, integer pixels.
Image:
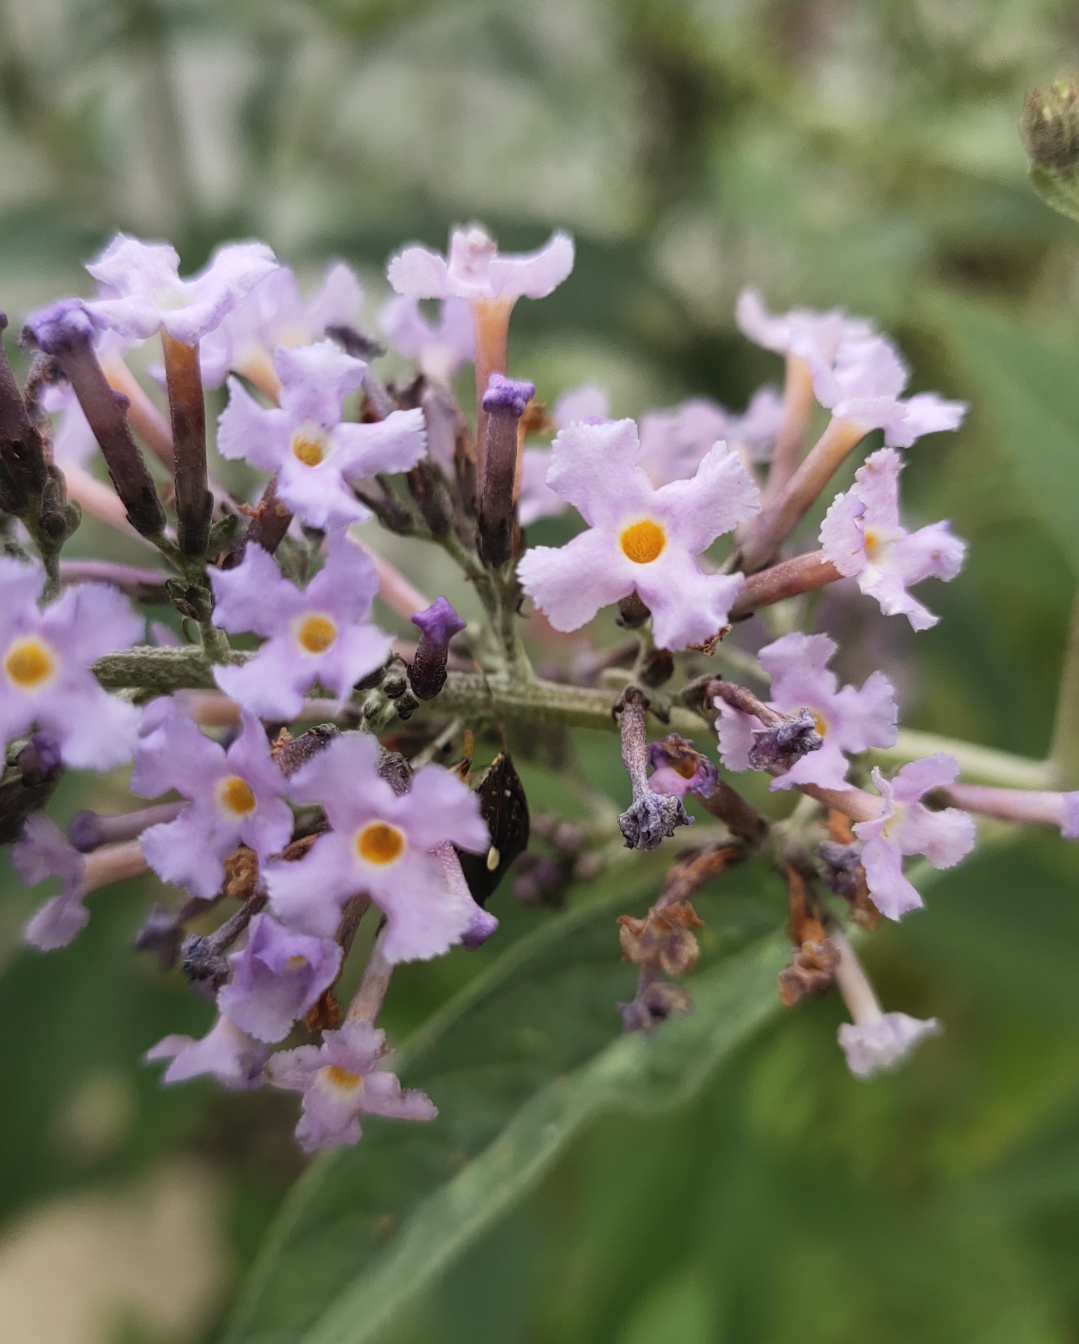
[
  {"x": 63, "y": 327},
  {"x": 504, "y": 401},
  {"x": 786, "y": 743},
  {"x": 438, "y": 624},
  {"x": 510, "y": 395}
]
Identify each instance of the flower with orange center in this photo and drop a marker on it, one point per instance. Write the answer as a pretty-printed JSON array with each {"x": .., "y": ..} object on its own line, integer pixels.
[
  {"x": 380, "y": 843},
  {"x": 309, "y": 445},
  {"x": 30, "y": 664},
  {"x": 235, "y": 797},
  {"x": 643, "y": 542},
  {"x": 316, "y": 632}
]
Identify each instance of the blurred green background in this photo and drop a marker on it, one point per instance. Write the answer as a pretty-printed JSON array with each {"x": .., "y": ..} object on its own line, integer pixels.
[{"x": 854, "y": 154}]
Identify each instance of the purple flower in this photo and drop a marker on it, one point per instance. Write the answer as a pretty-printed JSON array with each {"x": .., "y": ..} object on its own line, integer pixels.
[
  {"x": 230, "y": 1055},
  {"x": 437, "y": 624},
  {"x": 305, "y": 441},
  {"x": 73, "y": 441},
  {"x": 757, "y": 428},
  {"x": 678, "y": 768},
  {"x": 862, "y": 536},
  {"x": 482, "y": 924},
  {"x": 274, "y": 314},
  {"x": 44, "y": 852},
  {"x": 907, "y": 826},
  {"x": 811, "y": 335},
  {"x": 475, "y": 270},
  {"x": 340, "y": 1079},
  {"x": 538, "y": 500},
  {"x": 439, "y": 350},
  {"x": 321, "y": 634},
  {"x": 674, "y": 442},
  {"x": 144, "y": 293},
  {"x": 863, "y": 384},
  {"x": 640, "y": 539},
  {"x": 848, "y": 719},
  {"x": 883, "y": 1041},
  {"x": 45, "y": 659},
  {"x": 235, "y": 799},
  {"x": 381, "y": 842},
  {"x": 276, "y": 978}
]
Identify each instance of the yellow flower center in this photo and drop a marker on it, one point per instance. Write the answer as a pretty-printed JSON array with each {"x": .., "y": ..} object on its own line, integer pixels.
[
  {"x": 345, "y": 1079},
  {"x": 235, "y": 796},
  {"x": 380, "y": 843},
  {"x": 643, "y": 542},
  {"x": 820, "y": 721},
  {"x": 29, "y": 663},
  {"x": 309, "y": 446},
  {"x": 316, "y": 633},
  {"x": 295, "y": 962}
]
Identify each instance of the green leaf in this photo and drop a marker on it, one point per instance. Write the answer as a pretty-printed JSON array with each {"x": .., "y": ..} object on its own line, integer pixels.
[
  {"x": 1029, "y": 386},
  {"x": 518, "y": 1063}
]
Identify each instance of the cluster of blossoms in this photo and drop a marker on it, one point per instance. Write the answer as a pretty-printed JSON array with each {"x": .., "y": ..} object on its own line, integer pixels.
[{"x": 309, "y": 831}]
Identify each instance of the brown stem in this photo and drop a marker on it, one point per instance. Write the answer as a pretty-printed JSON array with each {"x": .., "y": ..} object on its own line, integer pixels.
[
  {"x": 267, "y": 528},
  {"x": 787, "y": 579},
  {"x": 142, "y": 415},
  {"x": 797, "y": 405},
  {"x": 367, "y": 1001},
  {"x": 194, "y": 503}
]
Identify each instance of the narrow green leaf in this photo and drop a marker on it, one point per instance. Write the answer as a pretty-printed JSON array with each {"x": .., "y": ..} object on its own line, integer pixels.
[
  {"x": 1030, "y": 386},
  {"x": 517, "y": 1063}
]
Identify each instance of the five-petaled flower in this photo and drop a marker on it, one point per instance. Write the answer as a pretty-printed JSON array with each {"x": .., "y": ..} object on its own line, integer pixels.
[
  {"x": 862, "y": 536},
  {"x": 848, "y": 719},
  {"x": 381, "y": 843},
  {"x": 882, "y": 1041},
  {"x": 276, "y": 977},
  {"x": 319, "y": 634},
  {"x": 314, "y": 452},
  {"x": 476, "y": 270},
  {"x": 235, "y": 799},
  {"x": 45, "y": 659},
  {"x": 341, "y": 1079},
  {"x": 439, "y": 349},
  {"x": 226, "y": 1053},
  {"x": 640, "y": 539}
]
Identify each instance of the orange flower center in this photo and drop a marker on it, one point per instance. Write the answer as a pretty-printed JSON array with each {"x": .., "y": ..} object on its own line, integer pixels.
[
  {"x": 643, "y": 542},
  {"x": 316, "y": 633},
  {"x": 820, "y": 721},
  {"x": 29, "y": 663},
  {"x": 345, "y": 1079},
  {"x": 235, "y": 796},
  {"x": 380, "y": 843},
  {"x": 309, "y": 447}
]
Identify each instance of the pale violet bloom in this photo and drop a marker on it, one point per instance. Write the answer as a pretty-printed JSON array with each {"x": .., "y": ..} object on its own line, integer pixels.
[
  {"x": 674, "y": 441},
  {"x": 341, "y": 1079},
  {"x": 235, "y": 799},
  {"x": 274, "y": 314},
  {"x": 45, "y": 660},
  {"x": 811, "y": 335},
  {"x": 439, "y": 349},
  {"x": 276, "y": 977},
  {"x": 587, "y": 404},
  {"x": 639, "y": 539},
  {"x": 475, "y": 269},
  {"x": 862, "y": 536},
  {"x": 226, "y": 1053},
  {"x": 142, "y": 292},
  {"x": 883, "y": 1041},
  {"x": 44, "y": 851},
  {"x": 383, "y": 843},
  {"x": 863, "y": 385},
  {"x": 848, "y": 719},
  {"x": 907, "y": 826},
  {"x": 314, "y": 452},
  {"x": 318, "y": 634}
]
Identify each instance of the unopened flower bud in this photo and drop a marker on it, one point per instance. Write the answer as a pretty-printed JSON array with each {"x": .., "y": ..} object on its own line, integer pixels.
[
  {"x": 504, "y": 401},
  {"x": 778, "y": 748},
  {"x": 437, "y": 624},
  {"x": 1049, "y": 128}
]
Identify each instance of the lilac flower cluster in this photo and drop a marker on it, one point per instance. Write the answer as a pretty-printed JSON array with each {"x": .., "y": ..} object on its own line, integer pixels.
[{"x": 304, "y": 835}]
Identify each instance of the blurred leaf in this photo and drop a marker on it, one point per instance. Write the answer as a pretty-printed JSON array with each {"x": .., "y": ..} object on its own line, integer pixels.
[
  {"x": 1030, "y": 385},
  {"x": 517, "y": 1063}
]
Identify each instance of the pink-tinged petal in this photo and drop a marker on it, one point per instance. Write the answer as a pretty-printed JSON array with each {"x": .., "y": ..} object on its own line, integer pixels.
[
  {"x": 827, "y": 768},
  {"x": 276, "y": 978},
  {"x": 820, "y": 334},
  {"x": 944, "y": 837},
  {"x": 391, "y": 445},
  {"x": 860, "y": 719},
  {"x": 225, "y": 1052},
  {"x": 292, "y": 1070},
  {"x": 757, "y": 427},
  {"x": 531, "y": 275},
  {"x": 673, "y": 442},
  {"x": 571, "y": 583},
  {"x": 357, "y": 652},
  {"x": 330, "y": 1116},
  {"x": 916, "y": 778},
  {"x": 886, "y": 589},
  {"x": 315, "y": 380},
  {"x": 348, "y": 582},
  {"x": 56, "y": 923},
  {"x": 90, "y": 620},
  {"x": 337, "y": 302},
  {"x": 250, "y": 431},
  {"x": 96, "y": 731},
  {"x": 250, "y": 757},
  {"x": 842, "y": 534},
  {"x": 721, "y": 495},
  {"x": 355, "y": 1045},
  {"x": 423, "y": 919},
  {"x": 190, "y": 851},
  {"x": 21, "y": 585},
  {"x": 384, "y": 1095},
  {"x": 798, "y": 667},
  {"x": 582, "y": 403},
  {"x": 440, "y": 350},
  {"x": 272, "y": 685},
  {"x": 439, "y": 807},
  {"x": 688, "y": 607},
  {"x": 344, "y": 779},
  {"x": 177, "y": 756},
  {"x": 594, "y": 468},
  {"x": 892, "y": 894},
  {"x": 882, "y": 1042},
  {"x": 926, "y": 413},
  {"x": 16, "y": 716},
  {"x": 537, "y": 500},
  {"x": 735, "y": 731},
  {"x": 318, "y": 495},
  {"x": 308, "y": 895},
  {"x": 419, "y": 273},
  {"x": 45, "y": 851},
  {"x": 254, "y": 596},
  {"x": 930, "y": 553}
]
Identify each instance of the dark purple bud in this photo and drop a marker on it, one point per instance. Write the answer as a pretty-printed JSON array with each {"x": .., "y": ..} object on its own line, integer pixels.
[
  {"x": 204, "y": 964},
  {"x": 88, "y": 830},
  {"x": 779, "y": 747},
  {"x": 300, "y": 750},
  {"x": 437, "y": 625},
  {"x": 841, "y": 864},
  {"x": 504, "y": 402},
  {"x": 66, "y": 331},
  {"x": 632, "y": 612},
  {"x": 22, "y": 455},
  {"x": 482, "y": 927}
]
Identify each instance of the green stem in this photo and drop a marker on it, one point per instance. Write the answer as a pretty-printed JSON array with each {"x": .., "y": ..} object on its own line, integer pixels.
[{"x": 1064, "y": 755}]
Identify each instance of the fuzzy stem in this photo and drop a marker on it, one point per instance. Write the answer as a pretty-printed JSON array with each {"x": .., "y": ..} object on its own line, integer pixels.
[
  {"x": 194, "y": 503},
  {"x": 1032, "y": 807},
  {"x": 367, "y": 1001},
  {"x": 852, "y": 981},
  {"x": 787, "y": 579},
  {"x": 114, "y": 863}
]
